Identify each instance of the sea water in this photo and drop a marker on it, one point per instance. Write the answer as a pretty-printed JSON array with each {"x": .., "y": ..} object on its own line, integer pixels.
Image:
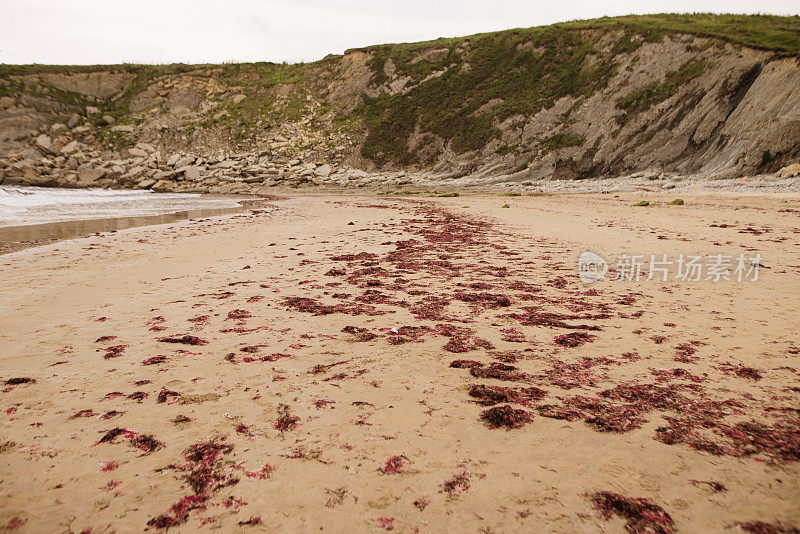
[{"x": 22, "y": 206}]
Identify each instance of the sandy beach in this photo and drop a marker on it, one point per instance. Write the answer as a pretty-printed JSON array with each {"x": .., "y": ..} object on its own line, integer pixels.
[{"x": 370, "y": 363}]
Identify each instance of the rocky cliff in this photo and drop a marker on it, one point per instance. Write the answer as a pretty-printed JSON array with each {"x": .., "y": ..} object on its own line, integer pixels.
[{"x": 670, "y": 95}]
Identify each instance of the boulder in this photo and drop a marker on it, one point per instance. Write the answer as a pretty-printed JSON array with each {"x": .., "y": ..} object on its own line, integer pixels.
[
  {"x": 323, "y": 171},
  {"x": 44, "y": 142},
  {"x": 147, "y": 147},
  {"x": 147, "y": 183},
  {"x": 122, "y": 128},
  {"x": 70, "y": 147},
  {"x": 91, "y": 175},
  {"x": 238, "y": 98},
  {"x": 91, "y": 110},
  {"x": 137, "y": 153},
  {"x": 191, "y": 172}
]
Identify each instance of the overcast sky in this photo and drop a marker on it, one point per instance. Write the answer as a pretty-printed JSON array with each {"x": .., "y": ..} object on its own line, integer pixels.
[{"x": 200, "y": 31}]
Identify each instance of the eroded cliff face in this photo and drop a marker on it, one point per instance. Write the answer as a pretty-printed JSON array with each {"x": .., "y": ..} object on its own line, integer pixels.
[{"x": 514, "y": 106}]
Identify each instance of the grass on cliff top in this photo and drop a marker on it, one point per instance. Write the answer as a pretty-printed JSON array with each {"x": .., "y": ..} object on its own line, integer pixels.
[{"x": 765, "y": 32}]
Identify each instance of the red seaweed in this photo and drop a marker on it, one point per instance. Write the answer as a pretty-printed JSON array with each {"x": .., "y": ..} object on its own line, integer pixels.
[
  {"x": 184, "y": 339},
  {"x": 641, "y": 515},
  {"x": 506, "y": 416}
]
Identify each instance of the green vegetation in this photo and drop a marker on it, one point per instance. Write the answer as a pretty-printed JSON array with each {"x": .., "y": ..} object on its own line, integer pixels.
[
  {"x": 485, "y": 79},
  {"x": 655, "y": 92},
  {"x": 562, "y": 140},
  {"x": 642, "y": 203},
  {"x": 767, "y": 32},
  {"x": 676, "y": 202}
]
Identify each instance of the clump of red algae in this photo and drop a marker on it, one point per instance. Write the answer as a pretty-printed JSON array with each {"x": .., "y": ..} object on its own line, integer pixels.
[
  {"x": 780, "y": 441},
  {"x": 184, "y": 339},
  {"x": 103, "y": 339},
  {"x": 112, "y": 435},
  {"x": 114, "y": 351},
  {"x": 239, "y": 314},
  {"x": 685, "y": 353},
  {"x": 512, "y": 335},
  {"x": 286, "y": 422},
  {"x": 386, "y": 523},
  {"x": 109, "y": 466},
  {"x": 19, "y": 381},
  {"x": 147, "y": 443},
  {"x": 641, "y": 515},
  {"x": 361, "y": 334},
  {"x": 499, "y": 371},
  {"x": 740, "y": 371},
  {"x": 243, "y": 429},
  {"x": 322, "y": 403},
  {"x": 457, "y": 485},
  {"x": 155, "y": 360},
  {"x": 491, "y": 395},
  {"x": 261, "y": 474},
  {"x": 658, "y": 340},
  {"x": 165, "y": 394},
  {"x": 573, "y": 339},
  {"x": 554, "y": 411},
  {"x": 393, "y": 465},
  {"x": 83, "y": 413},
  {"x": 252, "y": 522},
  {"x": 324, "y": 368},
  {"x": 110, "y": 414},
  {"x": 506, "y": 416},
  {"x": 138, "y": 396},
  {"x": 760, "y": 527}
]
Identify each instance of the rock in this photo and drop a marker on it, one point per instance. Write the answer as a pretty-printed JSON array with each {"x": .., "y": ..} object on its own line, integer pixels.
[
  {"x": 163, "y": 185},
  {"x": 137, "y": 152},
  {"x": 70, "y": 147},
  {"x": 44, "y": 142},
  {"x": 57, "y": 126},
  {"x": 147, "y": 147},
  {"x": 73, "y": 121},
  {"x": 184, "y": 161},
  {"x": 323, "y": 171},
  {"x": 122, "y": 128},
  {"x": 238, "y": 98},
  {"x": 173, "y": 159},
  {"x": 191, "y": 172},
  {"x": 790, "y": 171},
  {"x": 668, "y": 186},
  {"x": 91, "y": 175},
  {"x": 108, "y": 119},
  {"x": 91, "y": 110},
  {"x": 147, "y": 183}
]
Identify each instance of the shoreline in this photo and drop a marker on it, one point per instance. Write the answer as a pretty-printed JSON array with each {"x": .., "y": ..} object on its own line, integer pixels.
[{"x": 20, "y": 237}]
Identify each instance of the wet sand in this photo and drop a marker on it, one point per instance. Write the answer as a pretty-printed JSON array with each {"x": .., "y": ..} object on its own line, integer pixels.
[{"x": 370, "y": 363}]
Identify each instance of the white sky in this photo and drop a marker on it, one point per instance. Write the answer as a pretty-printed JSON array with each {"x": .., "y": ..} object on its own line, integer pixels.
[{"x": 200, "y": 31}]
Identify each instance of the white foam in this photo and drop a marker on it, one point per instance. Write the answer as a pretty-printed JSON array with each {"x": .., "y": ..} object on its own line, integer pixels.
[{"x": 35, "y": 205}]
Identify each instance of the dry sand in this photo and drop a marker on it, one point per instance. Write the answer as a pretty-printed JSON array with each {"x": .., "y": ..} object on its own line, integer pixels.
[{"x": 285, "y": 418}]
